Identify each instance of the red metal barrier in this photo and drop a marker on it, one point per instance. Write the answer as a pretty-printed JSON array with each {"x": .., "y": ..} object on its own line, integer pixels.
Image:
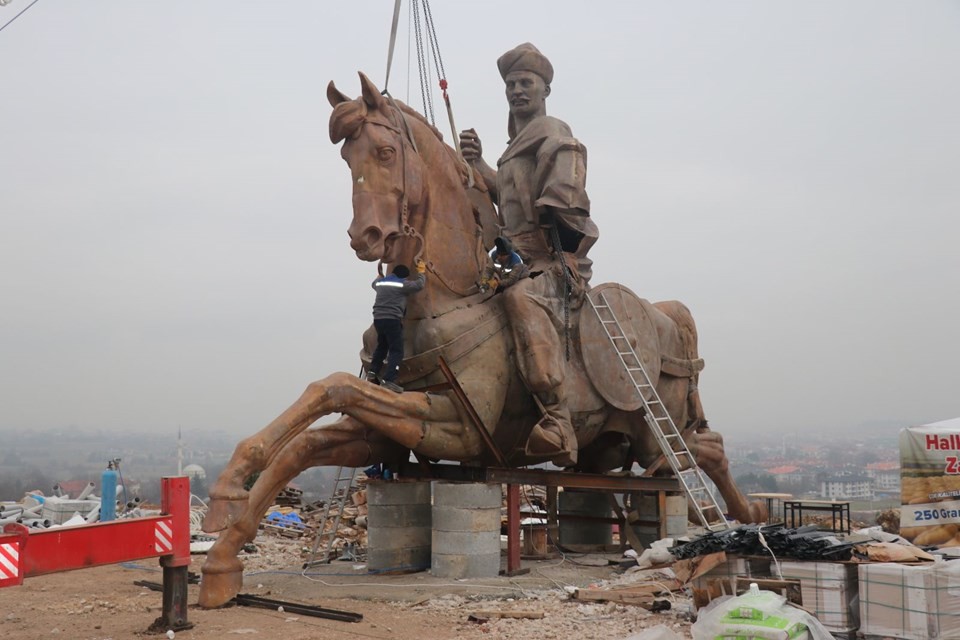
[{"x": 25, "y": 553}]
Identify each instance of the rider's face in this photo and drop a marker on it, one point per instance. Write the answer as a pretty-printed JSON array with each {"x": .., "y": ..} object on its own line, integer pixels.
[{"x": 526, "y": 92}]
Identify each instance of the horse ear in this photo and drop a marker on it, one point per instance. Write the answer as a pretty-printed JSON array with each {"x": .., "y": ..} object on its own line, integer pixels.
[
  {"x": 371, "y": 95},
  {"x": 335, "y": 96}
]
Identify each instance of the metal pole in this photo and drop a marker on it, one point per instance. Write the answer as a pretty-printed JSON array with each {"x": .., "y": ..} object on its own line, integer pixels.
[
  {"x": 474, "y": 418},
  {"x": 175, "y": 501},
  {"x": 513, "y": 529}
]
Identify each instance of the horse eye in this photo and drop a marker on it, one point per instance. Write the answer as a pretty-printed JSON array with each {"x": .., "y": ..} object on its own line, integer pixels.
[{"x": 385, "y": 154}]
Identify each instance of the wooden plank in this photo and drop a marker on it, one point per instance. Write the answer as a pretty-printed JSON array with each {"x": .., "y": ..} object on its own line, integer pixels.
[
  {"x": 621, "y": 598},
  {"x": 486, "y": 614},
  {"x": 692, "y": 568},
  {"x": 716, "y": 587},
  {"x": 633, "y": 593}
]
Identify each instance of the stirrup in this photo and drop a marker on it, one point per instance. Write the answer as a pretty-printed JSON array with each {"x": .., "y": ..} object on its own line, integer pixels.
[{"x": 549, "y": 445}]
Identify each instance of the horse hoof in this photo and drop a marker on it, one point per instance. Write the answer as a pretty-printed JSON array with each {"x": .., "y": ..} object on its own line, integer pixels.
[
  {"x": 220, "y": 583},
  {"x": 222, "y": 513}
]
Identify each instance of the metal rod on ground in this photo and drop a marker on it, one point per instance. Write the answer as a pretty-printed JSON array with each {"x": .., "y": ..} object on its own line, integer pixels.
[{"x": 247, "y": 600}]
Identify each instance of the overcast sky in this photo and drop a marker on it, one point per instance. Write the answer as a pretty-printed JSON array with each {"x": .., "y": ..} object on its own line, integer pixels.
[{"x": 173, "y": 216}]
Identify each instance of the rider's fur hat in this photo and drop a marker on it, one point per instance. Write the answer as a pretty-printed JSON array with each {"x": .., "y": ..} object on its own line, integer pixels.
[
  {"x": 504, "y": 246},
  {"x": 525, "y": 57},
  {"x": 401, "y": 271}
]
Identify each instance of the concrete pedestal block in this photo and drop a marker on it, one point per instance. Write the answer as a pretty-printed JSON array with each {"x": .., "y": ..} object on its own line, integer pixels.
[
  {"x": 399, "y": 525},
  {"x": 466, "y": 530}
]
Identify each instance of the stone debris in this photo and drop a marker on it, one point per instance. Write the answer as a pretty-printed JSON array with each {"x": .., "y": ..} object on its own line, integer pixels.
[
  {"x": 290, "y": 527},
  {"x": 555, "y": 617}
]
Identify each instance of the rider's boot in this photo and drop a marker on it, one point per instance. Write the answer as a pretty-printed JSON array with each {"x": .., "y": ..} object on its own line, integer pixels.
[{"x": 553, "y": 436}]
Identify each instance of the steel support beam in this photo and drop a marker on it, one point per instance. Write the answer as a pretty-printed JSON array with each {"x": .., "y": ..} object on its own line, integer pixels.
[{"x": 543, "y": 478}]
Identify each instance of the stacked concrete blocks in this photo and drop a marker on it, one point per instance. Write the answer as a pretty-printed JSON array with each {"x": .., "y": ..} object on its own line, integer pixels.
[
  {"x": 466, "y": 530},
  {"x": 399, "y": 527}
]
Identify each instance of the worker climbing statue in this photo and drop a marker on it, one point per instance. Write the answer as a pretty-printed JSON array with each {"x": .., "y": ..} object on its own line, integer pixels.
[{"x": 415, "y": 198}]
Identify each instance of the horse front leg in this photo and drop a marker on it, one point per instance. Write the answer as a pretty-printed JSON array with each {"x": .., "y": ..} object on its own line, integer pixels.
[
  {"x": 707, "y": 449},
  {"x": 343, "y": 443},
  {"x": 430, "y": 424}
]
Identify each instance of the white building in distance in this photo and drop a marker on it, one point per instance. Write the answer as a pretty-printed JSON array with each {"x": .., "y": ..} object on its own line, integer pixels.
[{"x": 847, "y": 488}]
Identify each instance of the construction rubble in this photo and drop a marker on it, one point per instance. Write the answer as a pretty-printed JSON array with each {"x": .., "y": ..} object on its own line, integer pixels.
[
  {"x": 814, "y": 584},
  {"x": 869, "y": 583},
  {"x": 324, "y": 529},
  {"x": 38, "y": 511},
  {"x": 841, "y": 584}
]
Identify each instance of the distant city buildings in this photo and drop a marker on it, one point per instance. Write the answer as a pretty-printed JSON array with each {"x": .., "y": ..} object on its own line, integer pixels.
[
  {"x": 847, "y": 488},
  {"x": 861, "y": 467},
  {"x": 885, "y": 475},
  {"x": 856, "y": 467},
  {"x": 788, "y": 474}
]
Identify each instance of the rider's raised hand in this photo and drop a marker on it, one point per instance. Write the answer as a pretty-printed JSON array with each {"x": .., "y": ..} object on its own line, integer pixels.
[{"x": 470, "y": 145}]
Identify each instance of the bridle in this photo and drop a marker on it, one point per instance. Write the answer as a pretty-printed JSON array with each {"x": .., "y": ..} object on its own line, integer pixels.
[{"x": 406, "y": 228}]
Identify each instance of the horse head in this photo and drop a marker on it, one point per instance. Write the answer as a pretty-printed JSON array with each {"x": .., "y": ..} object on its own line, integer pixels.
[
  {"x": 412, "y": 196},
  {"x": 387, "y": 171}
]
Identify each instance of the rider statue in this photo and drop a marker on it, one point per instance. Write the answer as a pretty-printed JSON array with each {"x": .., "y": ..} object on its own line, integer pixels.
[{"x": 539, "y": 187}]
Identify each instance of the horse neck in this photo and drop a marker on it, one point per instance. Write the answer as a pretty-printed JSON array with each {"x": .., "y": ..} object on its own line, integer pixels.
[{"x": 451, "y": 241}]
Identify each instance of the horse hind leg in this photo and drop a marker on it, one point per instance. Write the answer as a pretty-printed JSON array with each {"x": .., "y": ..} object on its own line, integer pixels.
[
  {"x": 346, "y": 443},
  {"x": 712, "y": 459}
]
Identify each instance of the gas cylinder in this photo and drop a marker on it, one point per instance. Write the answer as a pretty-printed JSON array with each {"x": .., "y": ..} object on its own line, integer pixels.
[{"x": 108, "y": 493}]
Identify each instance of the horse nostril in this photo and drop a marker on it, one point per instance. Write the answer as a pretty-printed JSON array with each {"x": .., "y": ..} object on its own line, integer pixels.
[{"x": 369, "y": 238}]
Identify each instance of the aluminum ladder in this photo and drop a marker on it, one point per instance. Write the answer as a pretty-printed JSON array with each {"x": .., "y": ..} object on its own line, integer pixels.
[
  {"x": 658, "y": 419},
  {"x": 343, "y": 488}
]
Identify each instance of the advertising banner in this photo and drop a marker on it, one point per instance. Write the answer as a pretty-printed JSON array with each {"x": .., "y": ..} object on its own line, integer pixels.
[{"x": 930, "y": 483}]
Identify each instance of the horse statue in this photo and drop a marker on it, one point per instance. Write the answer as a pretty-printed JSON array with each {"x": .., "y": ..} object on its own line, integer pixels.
[{"x": 414, "y": 198}]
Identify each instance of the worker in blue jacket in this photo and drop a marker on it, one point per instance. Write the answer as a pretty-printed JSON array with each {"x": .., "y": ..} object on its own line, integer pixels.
[
  {"x": 505, "y": 268},
  {"x": 388, "y": 311}
]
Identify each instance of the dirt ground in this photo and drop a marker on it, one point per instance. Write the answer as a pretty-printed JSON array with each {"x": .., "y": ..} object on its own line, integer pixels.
[{"x": 103, "y": 603}]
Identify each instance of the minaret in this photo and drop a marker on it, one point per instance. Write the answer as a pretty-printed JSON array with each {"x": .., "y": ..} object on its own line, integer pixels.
[{"x": 179, "y": 451}]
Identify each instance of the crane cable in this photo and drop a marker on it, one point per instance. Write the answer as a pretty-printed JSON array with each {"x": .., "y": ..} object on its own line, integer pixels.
[
  {"x": 423, "y": 66},
  {"x": 393, "y": 42},
  {"x": 7, "y": 23},
  {"x": 428, "y": 30}
]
